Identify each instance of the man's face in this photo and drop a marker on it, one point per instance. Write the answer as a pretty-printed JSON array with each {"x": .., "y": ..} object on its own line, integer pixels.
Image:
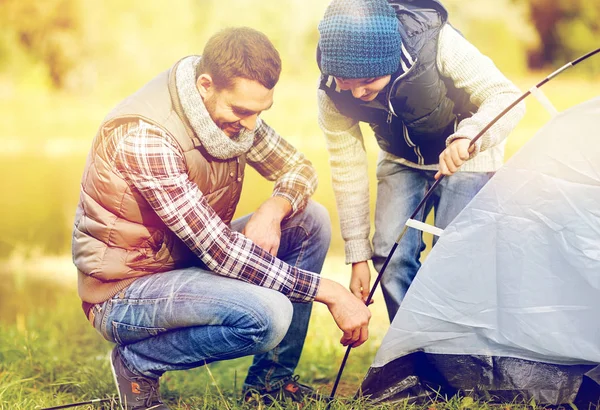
[
  {"x": 365, "y": 89},
  {"x": 235, "y": 107}
]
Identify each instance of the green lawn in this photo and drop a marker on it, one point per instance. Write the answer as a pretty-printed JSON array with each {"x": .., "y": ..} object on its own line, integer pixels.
[{"x": 49, "y": 354}]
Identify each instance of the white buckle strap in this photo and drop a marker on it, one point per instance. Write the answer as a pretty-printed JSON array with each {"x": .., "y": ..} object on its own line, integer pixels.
[
  {"x": 421, "y": 226},
  {"x": 541, "y": 97}
]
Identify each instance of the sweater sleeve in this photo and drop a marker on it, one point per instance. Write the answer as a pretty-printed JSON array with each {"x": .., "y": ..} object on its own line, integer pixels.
[
  {"x": 488, "y": 88},
  {"x": 348, "y": 161}
]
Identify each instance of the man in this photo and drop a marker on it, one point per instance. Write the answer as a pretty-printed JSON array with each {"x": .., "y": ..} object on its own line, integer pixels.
[
  {"x": 162, "y": 273},
  {"x": 426, "y": 92}
]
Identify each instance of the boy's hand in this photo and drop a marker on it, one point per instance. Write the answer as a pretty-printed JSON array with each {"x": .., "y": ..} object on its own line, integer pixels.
[{"x": 454, "y": 156}]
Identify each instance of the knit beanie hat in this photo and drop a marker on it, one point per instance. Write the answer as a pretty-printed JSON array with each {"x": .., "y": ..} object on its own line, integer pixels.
[{"x": 359, "y": 39}]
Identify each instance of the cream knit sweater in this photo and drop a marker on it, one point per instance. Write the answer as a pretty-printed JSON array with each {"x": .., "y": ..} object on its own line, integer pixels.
[{"x": 489, "y": 89}]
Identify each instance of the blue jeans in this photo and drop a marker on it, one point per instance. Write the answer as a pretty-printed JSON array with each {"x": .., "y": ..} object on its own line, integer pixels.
[
  {"x": 400, "y": 189},
  {"x": 189, "y": 317}
]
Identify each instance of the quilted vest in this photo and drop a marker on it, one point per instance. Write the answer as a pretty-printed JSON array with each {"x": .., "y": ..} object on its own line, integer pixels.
[{"x": 117, "y": 236}]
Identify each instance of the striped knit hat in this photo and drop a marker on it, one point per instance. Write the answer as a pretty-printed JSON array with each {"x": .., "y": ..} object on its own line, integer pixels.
[{"x": 359, "y": 39}]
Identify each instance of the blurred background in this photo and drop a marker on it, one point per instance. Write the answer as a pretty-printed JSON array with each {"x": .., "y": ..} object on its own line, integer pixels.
[{"x": 65, "y": 63}]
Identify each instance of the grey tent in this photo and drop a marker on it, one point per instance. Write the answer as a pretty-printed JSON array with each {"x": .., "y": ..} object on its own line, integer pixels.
[{"x": 507, "y": 304}]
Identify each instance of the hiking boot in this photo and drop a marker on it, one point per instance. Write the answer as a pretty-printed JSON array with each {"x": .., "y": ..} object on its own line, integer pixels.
[
  {"x": 135, "y": 392},
  {"x": 290, "y": 390}
]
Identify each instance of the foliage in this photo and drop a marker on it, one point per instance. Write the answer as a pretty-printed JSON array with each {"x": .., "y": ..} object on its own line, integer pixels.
[
  {"x": 49, "y": 32},
  {"x": 498, "y": 28},
  {"x": 566, "y": 30},
  {"x": 81, "y": 44}
]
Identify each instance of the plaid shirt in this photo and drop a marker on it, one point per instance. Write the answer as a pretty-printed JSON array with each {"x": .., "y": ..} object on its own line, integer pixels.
[{"x": 154, "y": 164}]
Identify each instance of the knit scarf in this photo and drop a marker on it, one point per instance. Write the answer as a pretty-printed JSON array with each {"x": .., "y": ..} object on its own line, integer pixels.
[{"x": 213, "y": 139}]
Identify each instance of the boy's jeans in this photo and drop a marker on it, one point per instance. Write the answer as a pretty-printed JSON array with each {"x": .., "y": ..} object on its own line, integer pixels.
[
  {"x": 400, "y": 189},
  {"x": 189, "y": 317}
]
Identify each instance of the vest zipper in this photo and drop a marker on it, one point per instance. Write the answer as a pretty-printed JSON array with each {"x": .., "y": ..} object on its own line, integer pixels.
[
  {"x": 391, "y": 113},
  {"x": 390, "y": 107}
]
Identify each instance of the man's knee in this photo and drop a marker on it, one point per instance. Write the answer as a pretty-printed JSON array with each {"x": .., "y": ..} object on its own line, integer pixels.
[
  {"x": 319, "y": 222},
  {"x": 274, "y": 322}
]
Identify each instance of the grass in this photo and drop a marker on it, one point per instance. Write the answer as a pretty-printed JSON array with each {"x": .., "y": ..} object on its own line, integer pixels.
[{"x": 50, "y": 355}]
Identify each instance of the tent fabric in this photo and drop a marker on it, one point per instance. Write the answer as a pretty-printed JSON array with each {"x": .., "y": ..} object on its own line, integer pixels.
[{"x": 507, "y": 303}]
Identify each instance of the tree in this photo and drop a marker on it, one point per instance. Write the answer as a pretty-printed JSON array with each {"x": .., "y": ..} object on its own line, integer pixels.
[
  {"x": 566, "y": 29},
  {"x": 49, "y": 31}
]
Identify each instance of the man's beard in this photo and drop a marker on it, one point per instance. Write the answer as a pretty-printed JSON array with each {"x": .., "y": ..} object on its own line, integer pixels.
[{"x": 231, "y": 129}]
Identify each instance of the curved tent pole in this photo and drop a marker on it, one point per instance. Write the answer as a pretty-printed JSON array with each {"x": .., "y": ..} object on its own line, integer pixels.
[{"x": 534, "y": 90}]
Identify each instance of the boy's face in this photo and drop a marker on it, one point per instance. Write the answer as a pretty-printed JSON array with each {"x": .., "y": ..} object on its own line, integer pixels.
[{"x": 365, "y": 89}]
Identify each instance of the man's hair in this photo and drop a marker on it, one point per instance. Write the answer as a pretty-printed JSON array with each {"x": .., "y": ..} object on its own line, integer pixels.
[{"x": 240, "y": 52}]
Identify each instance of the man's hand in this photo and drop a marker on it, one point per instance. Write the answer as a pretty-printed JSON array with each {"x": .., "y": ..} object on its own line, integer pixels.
[
  {"x": 350, "y": 314},
  {"x": 264, "y": 226},
  {"x": 454, "y": 156},
  {"x": 360, "y": 282}
]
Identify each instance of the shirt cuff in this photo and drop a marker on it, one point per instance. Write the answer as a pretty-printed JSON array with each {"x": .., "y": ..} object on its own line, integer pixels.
[
  {"x": 295, "y": 199},
  {"x": 306, "y": 286},
  {"x": 358, "y": 250}
]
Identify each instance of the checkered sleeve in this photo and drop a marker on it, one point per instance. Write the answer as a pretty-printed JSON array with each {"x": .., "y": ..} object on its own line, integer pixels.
[
  {"x": 154, "y": 164},
  {"x": 277, "y": 160}
]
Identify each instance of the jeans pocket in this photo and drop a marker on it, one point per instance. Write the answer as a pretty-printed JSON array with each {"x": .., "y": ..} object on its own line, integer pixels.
[
  {"x": 385, "y": 168},
  {"x": 124, "y": 333}
]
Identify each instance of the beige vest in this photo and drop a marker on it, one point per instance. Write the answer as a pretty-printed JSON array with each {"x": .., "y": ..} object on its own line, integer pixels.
[{"x": 117, "y": 236}]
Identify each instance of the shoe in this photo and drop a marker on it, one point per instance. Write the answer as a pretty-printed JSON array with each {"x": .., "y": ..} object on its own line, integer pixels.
[
  {"x": 135, "y": 392},
  {"x": 290, "y": 390}
]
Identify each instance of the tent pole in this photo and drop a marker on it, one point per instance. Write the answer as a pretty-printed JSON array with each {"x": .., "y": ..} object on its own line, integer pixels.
[
  {"x": 82, "y": 403},
  {"x": 432, "y": 188}
]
